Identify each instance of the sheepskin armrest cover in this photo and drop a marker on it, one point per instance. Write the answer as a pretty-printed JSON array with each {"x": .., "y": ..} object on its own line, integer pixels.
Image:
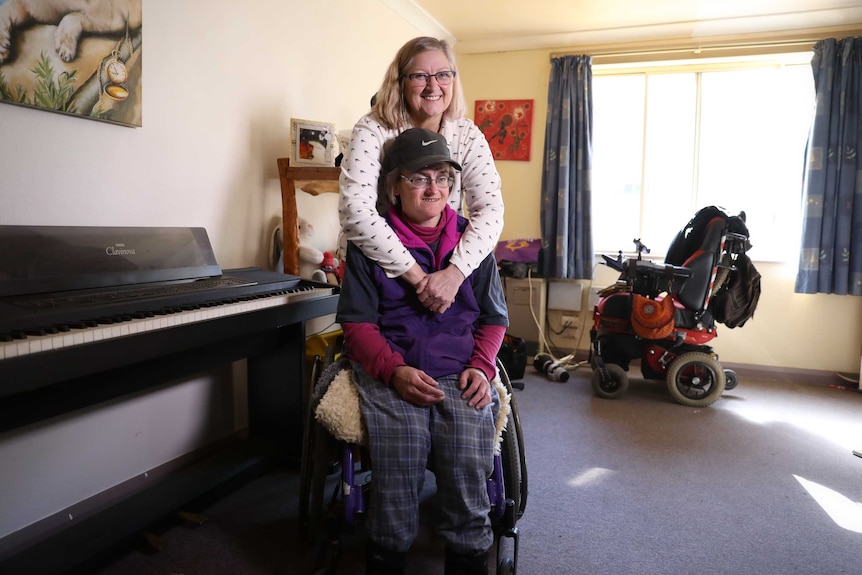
[{"x": 338, "y": 410}]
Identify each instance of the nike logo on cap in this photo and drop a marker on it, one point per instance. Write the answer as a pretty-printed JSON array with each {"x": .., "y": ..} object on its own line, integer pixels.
[{"x": 428, "y": 143}]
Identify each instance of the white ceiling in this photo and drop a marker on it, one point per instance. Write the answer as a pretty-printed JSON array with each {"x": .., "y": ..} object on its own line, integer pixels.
[{"x": 498, "y": 25}]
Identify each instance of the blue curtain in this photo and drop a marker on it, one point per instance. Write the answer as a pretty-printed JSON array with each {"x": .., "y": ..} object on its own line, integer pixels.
[
  {"x": 831, "y": 257},
  {"x": 567, "y": 237}
]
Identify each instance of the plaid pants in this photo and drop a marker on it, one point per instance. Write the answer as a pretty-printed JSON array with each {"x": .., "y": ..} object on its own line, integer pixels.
[{"x": 401, "y": 437}]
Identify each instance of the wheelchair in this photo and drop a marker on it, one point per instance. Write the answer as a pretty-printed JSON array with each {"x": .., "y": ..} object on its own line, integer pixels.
[
  {"x": 699, "y": 264},
  {"x": 336, "y": 477}
]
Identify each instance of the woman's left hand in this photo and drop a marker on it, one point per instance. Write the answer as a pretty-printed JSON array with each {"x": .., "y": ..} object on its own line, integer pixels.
[
  {"x": 437, "y": 290},
  {"x": 476, "y": 388}
]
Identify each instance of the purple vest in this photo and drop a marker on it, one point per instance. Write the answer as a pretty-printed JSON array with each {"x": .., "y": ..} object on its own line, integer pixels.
[{"x": 438, "y": 344}]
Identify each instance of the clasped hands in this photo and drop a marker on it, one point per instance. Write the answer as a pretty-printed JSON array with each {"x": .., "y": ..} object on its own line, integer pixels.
[
  {"x": 417, "y": 387},
  {"x": 436, "y": 291}
]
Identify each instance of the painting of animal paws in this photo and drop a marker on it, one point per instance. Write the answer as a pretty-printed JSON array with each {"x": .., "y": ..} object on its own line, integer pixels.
[{"x": 79, "y": 57}]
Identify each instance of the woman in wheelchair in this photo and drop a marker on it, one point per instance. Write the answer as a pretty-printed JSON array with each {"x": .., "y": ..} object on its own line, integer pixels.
[{"x": 424, "y": 378}]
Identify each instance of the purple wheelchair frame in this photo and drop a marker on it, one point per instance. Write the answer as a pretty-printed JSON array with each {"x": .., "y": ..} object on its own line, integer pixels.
[{"x": 354, "y": 496}]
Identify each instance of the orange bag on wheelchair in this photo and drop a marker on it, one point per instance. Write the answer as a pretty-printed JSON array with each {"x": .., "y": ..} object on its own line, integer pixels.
[{"x": 652, "y": 319}]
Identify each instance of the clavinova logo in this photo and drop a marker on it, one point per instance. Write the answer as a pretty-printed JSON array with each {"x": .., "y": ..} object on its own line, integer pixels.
[{"x": 119, "y": 250}]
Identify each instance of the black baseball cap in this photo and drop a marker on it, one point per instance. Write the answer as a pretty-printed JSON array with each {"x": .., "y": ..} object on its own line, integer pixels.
[{"x": 417, "y": 148}]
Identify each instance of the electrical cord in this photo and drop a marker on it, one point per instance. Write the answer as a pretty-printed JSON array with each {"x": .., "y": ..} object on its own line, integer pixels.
[{"x": 565, "y": 361}]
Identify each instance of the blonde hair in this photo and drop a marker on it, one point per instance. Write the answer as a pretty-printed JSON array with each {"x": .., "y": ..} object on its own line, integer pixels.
[{"x": 390, "y": 109}]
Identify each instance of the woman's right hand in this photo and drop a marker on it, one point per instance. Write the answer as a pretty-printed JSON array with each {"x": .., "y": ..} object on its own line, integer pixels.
[{"x": 415, "y": 386}]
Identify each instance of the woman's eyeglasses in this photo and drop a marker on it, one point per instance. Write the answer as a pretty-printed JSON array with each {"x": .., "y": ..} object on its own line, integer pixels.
[
  {"x": 424, "y": 182},
  {"x": 443, "y": 78}
]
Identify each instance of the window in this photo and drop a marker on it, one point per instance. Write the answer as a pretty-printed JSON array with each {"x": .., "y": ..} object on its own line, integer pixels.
[{"x": 669, "y": 140}]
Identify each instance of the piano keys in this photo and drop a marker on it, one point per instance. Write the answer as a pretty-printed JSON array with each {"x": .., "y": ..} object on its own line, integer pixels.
[
  {"x": 56, "y": 278},
  {"x": 83, "y": 302},
  {"x": 20, "y": 342}
]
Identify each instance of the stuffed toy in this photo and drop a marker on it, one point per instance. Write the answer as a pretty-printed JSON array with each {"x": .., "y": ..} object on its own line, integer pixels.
[
  {"x": 332, "y": 268},
  {"x": 308, "y": 254}
]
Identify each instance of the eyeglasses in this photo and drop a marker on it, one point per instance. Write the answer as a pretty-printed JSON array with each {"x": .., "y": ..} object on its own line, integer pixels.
[
  {"x": 424, "y": 182},
  {"x": 443, "y": 78}
]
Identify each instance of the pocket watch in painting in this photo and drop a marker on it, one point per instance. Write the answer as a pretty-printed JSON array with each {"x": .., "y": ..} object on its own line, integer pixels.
[
  {"x": 116, "y": 71},
  {"x": 117, "y": 74}
]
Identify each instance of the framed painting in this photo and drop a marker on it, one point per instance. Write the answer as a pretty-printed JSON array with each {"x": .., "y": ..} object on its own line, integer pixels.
[
  {"x": 311, "y": 143},
  {"x": 77, "y": 58},
  {"x": 507, "y": 125}
]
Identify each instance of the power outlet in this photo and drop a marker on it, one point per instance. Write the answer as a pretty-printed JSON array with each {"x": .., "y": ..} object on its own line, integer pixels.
[{"x": 568, "y": 320}]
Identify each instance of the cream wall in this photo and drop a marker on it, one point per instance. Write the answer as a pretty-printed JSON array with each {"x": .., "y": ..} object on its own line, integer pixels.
[
  {"x": 817, "y": 332},
  {"x": 221, "y": 81}
]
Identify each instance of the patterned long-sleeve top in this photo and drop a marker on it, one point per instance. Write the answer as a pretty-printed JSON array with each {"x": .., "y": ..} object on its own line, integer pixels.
[{"x": 477, "y": 187}]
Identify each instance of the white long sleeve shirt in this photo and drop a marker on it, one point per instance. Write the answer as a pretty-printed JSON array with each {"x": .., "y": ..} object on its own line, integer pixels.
[{"x": 476, "y": 187}]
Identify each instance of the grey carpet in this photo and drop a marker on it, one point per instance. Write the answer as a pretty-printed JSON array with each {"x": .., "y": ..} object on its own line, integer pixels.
[{"x": 639, "y": 485}]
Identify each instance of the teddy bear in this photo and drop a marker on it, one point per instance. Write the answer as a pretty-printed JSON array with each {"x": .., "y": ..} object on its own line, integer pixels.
[{"x": 310, "y": 258}]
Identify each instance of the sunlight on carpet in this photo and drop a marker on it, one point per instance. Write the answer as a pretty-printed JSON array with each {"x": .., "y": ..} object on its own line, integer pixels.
[
  {"x": 845, "y": 512},
  {"x": 836, "y": 430},
  {"x": 589, "y": 476}
]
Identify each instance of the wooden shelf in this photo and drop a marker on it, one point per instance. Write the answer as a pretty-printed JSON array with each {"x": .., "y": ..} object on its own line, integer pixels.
[{"x": 313, "y": 180}]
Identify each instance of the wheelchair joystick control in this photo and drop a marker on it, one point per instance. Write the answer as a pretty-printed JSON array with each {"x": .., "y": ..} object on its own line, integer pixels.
[{"x": 544, "y": 363}]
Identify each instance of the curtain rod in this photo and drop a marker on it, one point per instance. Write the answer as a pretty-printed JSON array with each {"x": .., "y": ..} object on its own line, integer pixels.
[{"x": 691, "y": 48}]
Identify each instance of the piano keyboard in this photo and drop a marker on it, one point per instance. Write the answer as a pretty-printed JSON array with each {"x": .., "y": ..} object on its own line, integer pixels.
[{"x": 37, "y": 341}]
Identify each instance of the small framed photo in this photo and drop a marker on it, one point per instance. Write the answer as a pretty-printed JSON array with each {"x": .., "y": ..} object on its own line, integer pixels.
[{"x": 312, "y": 143}]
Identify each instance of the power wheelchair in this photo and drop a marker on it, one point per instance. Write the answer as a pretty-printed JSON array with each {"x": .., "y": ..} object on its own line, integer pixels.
[
  {"x": 336, "y": 478},
  {"x": 700, "y": 262}
]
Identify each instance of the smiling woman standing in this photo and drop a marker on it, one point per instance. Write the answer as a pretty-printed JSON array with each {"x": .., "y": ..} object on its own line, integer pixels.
[{"x": 421, "y": 89}]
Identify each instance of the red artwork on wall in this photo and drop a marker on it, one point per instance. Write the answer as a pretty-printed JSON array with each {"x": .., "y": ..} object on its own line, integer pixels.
[{"x": 507, "y": 125}]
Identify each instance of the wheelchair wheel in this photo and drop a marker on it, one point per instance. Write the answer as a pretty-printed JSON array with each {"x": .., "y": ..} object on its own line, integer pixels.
[
  {"x": 323, "y": 458},
  {"x": 308, "y": 446},
  {"x": 611, "y": 386},
  {"x": 695, "y": 379},
  {"x": 731, "y": 380},
  {"x": 512, "y": 452}
]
